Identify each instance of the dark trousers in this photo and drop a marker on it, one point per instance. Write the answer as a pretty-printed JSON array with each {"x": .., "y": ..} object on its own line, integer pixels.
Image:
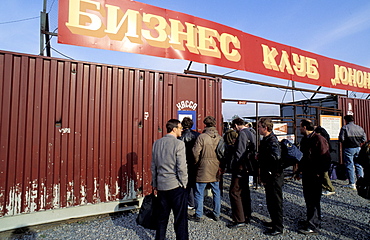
[
  {"x": 312, "y": 196},
  {"x": 175, "y": 199},
  {"x": 274, "y": 200},
  {"x": 190, "y": 188},
  {"x": 240, "y": 198}
]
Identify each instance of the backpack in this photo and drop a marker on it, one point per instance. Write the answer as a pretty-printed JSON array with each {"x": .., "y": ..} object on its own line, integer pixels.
[
  {"x": 290, "y": 154},
  {"x": 220, "y": 150}
]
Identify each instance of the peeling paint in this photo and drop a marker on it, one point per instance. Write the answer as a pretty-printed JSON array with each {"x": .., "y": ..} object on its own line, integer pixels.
[
  {"x": 56, "y": 195},
  {"x": 35, "y": 196},
  {"x": 96, "y": 196},
  {"x": 70, "y": 195},
  {"x": 14, "y": 205},
  {"x": 107, "y": 195},
  {"x": 83, "y": 200}
]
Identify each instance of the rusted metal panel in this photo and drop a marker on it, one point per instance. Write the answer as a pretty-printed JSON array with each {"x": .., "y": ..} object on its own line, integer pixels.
[
  {"x": 74, "y": 133},
  {"x": 359, "y": 108}
]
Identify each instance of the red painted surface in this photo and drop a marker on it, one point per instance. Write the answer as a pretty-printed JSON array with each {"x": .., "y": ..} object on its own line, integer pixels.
[
  {"x": 129, "y": 26},
  {"x": 359, "y": 108},
  {"x": 114, "y": 115}
]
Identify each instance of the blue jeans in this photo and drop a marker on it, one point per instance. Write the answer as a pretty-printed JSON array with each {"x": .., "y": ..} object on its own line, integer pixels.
[
  {"x": 199, "y": 197},
  {"x": 349, "y": 155}
]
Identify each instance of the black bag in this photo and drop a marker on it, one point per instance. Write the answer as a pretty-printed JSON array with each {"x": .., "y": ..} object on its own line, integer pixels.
[
  {"x": 148, "y": 214},
  {"x": 220, "y": 150},
  {"x": 340, "y": 172},
  {"x": 290, "y": 154},
  {"x": 363, "y": 188},
  {"x": 250, "y": 161}
]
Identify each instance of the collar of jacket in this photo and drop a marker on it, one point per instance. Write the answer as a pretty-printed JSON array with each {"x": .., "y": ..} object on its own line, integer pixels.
[{"x": 211, "y": 131}]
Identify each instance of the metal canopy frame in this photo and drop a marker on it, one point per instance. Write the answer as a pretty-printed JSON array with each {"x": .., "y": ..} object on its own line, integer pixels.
[
  {"x": 295, "y": 116},
  {"x": 259, "y": 83}
]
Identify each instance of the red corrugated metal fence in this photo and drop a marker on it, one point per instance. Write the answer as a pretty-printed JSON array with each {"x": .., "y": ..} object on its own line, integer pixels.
[
  {"x": 359, "y": 108},
  {"x": 73, "y": 133}
]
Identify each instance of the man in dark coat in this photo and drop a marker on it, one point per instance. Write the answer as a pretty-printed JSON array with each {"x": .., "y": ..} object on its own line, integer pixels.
[
  {"x": 240, "y": 198},
  {"x": 272, "y": 177},
  {"x": 189, "y": 136},
  {"x": 315, "y": 162}
]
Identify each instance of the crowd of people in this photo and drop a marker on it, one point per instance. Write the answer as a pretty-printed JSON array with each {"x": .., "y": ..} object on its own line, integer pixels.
[{"x": 185, "y": 163}]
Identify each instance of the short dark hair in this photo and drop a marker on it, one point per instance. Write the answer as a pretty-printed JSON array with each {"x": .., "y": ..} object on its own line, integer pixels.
[
  {"x": 266, "y": 122},
  {"x": 171, "y": 124},
  {"x": 308, "y": 124},
  {"x": 349, "y": 118},
  {"x": 209, "y": 121},
  {"x": 187, "y": 123},
  {"x": 238, "y": 122}
]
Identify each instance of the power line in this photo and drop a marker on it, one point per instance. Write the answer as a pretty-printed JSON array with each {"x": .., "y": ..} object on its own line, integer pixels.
[
  {"x": 61, "y": 53},
  {"x": 20, "y": 20},
  {"x": 51, "y": 7}
]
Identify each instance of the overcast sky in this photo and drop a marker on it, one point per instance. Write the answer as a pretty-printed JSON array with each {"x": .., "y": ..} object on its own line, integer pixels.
[{"x": 337, "y": 29}]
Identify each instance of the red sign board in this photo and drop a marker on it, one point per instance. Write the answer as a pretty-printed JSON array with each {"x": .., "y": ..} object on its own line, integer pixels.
[{"x": 129, "y": 26}]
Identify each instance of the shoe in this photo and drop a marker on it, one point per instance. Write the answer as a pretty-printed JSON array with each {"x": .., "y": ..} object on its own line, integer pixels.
[
  {"x": 213, "y": 217},
  {"x": 307, "y": 231},
  {"x": 195, "y": 218},
  {"x": 302, "y": 223},
  {"x": 268, "y": 224},
  {"x": 327, "y": 193},
  {"x": 272, "y": 232},
  {"x": 236, "y": 225},
  {"x": 350, "y": 186},
  {"x": 191, "y": 208}
]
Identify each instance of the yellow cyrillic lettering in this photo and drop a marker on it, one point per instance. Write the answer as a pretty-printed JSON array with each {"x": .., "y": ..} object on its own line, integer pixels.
[
  {"x": 178, "y": 36},
  {"x": 343, "y": 75},
  {"x": 207, "y": 45},
  {"x": 335, "y": 80},
  {"x": 269, "y": 58},
  {"x": 299, "y": 65},
  {"x": 129, "y": 24},
  {"x": 312, "y": 66},
  {"x": 360, "y": 79},
  {"x": 159, "y": 24},
  {"x": 367, "y": 80},
  {"x": 285, "y": 63},
  {"x": 225, "y": 41},
  {"x": 352, "y": 77},
  {"x": 84, "y": 23}
]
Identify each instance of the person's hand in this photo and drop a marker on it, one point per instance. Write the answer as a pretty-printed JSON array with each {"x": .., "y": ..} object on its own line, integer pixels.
[
  {"x": 297, "y": 176},
  {"x": 155, "y": 191}
]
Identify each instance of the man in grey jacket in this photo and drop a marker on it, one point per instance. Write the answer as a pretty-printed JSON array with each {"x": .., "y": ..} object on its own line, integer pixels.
[
  {"x": 169, "y": 180},
  {"x": 352, "y": 136}
]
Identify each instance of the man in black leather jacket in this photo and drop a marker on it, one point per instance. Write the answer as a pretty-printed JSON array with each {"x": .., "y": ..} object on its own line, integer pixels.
[
  {"x": 271, "y": 170},
  {"x": 189, "y": 136}
]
